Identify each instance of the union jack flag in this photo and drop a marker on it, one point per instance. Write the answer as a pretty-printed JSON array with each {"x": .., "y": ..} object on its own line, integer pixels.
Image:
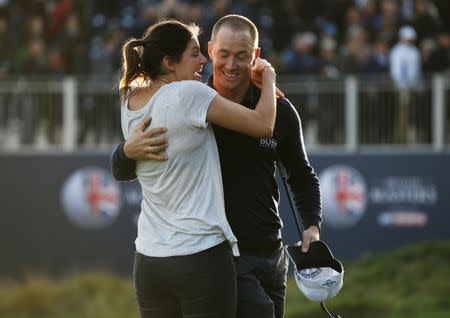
[
  {"x": 101, "y": 195},
  {"x": 350, "y": 194}
]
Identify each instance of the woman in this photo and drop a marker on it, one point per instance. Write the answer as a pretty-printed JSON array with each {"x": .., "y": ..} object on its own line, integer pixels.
[{"x": 184, "y": 248}]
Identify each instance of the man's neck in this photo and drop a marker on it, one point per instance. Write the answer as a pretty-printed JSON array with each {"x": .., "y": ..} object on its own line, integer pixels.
[{"x": 236, "y": 95}]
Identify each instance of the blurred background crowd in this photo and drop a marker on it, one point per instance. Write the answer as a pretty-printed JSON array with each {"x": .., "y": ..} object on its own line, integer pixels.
[
  {"x": 321, "y": 37},
  {"x": 391, "y": 46}
]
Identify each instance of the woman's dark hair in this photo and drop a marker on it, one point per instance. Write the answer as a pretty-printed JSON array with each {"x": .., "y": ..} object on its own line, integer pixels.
[{"x": 142, "y": 58}]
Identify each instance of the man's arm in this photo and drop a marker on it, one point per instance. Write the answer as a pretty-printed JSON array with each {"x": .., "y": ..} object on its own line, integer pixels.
[
  {"x": 142, "y": 144},
  {"x": 302, "y": 180},
  {"x": 122, "y": 167}
]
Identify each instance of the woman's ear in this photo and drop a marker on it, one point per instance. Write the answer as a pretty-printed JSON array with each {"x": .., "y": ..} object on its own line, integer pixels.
[{"x": 169, "y": 64}]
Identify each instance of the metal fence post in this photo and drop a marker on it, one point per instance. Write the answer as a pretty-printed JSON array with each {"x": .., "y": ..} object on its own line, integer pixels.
[
  {"x": 351, "y": 113},
  {"x": 438, "y": 119},
  {"x": 70, "y": 93}
]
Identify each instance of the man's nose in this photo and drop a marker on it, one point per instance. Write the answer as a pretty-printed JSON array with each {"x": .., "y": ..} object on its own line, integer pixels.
[{"x": 231, "y": 63}]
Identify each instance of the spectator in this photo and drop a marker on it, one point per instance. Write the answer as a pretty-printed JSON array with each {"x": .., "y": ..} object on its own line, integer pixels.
[
  {"x": 425, "y": 24},
  {"x": 427, "y": 47},
  {"x": 58, "y": 16},
  {"x": 300, "y": 57},
  {"x": 286, "y": 21},
  {"x": 378, "y": 61},
  {"x": 352, "y": 21},
  {"x": 375, "y": 125},
  {"x": 32, "y": 58},
  {"x": 62, "y": 23},
  {"x": 440, "y": 55},
  {"x": 405, "y": 70},
  {"x": 369, "y": 16},
  {"x": 389, "y": 21},
  {"x": 354, "y": 55},
  {"x": 405, "y": 67},
  {"x": 329, "y": 58},
  {"x": 407, "y": 10}
]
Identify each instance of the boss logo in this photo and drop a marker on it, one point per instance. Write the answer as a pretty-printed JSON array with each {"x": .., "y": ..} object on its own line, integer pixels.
[{"x": 270, "y": 143}]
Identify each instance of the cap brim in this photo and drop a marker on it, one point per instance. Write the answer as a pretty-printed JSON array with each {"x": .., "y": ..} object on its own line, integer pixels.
[{"x": 318, "y": 255}]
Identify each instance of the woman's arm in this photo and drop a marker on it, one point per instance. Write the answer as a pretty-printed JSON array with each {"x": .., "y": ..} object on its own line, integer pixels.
[{"x": 259, "y": 122}]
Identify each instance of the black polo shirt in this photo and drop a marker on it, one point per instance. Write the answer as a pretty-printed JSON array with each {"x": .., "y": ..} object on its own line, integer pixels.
[{"x": 248, "y": 173}]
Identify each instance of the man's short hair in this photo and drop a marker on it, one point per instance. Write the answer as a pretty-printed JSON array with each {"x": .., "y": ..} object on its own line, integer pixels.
[{"x": 236, "y": 23}]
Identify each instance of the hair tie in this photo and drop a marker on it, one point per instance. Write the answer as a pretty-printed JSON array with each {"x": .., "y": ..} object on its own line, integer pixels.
[{"x": 138, "y": 43}]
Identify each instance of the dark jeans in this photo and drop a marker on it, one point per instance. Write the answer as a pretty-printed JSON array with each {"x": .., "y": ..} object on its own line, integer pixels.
[
  {"x": 201, "y": 285},
  {"x": 261, "y": 285}
]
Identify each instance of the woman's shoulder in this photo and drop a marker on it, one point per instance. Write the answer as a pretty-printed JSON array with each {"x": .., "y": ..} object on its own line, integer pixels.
[
  {"x": 138, "y": 98},
  {"x": 186, "y": 84},
  {"x": 191, "y": 88}
]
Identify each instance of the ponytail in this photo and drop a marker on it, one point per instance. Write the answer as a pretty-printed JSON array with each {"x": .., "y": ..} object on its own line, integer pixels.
[{"x": 132, "y": 69}]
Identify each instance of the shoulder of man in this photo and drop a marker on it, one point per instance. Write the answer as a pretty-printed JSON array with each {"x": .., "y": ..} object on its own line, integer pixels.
[
  {"x": 288, "y": 120},
  {"x": 286, "y": 108}
]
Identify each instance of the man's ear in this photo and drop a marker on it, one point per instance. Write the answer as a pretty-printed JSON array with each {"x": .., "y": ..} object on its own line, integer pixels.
[
  {"x": 169, "y": 64},
  {"x": 210, "y": 50},
  {"x": 256, "y": 54}
]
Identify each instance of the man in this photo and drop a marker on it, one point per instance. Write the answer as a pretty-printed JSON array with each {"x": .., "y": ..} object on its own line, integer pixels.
[
  {"x": 248, "y": 169},
  {"x": 404, "y": 58},
  {"x": 405, "y": 69}
]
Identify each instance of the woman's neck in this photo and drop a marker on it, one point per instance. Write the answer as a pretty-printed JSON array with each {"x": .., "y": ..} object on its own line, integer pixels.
[{"x": 160, "y": 81}]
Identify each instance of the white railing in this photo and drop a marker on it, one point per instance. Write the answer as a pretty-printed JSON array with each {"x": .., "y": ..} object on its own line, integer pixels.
[
  {"x": 371, "y": 114},
  {"x": 351, "y": 111},
  {"x": 70, "y": 114},
  {"x": 439, "y": 112},
  {"x": 348, "y": 114}
]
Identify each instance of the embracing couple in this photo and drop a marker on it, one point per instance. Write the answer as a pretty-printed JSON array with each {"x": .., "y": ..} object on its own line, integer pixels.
[{"x": 209, "y": 234}]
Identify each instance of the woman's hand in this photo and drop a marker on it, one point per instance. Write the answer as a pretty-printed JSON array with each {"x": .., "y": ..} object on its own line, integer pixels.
[{"x": 256, "y": 74}]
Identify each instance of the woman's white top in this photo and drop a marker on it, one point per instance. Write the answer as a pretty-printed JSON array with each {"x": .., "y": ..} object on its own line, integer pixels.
[{"x": 182, "y": 210}]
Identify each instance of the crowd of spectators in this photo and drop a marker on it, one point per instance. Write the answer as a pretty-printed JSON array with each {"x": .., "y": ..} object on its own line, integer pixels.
[
  {"x": 320, "y": 37},
  {"x": 327, "y": 38}
]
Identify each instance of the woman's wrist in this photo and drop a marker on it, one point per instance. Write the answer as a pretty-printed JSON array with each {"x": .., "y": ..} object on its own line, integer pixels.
[{"x": 268, "y": 69}]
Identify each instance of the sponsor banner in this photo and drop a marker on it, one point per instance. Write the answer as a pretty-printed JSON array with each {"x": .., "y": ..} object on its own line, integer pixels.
[
  {"x": 65, "y": 213},
  {"x": 375, "y": 203}
]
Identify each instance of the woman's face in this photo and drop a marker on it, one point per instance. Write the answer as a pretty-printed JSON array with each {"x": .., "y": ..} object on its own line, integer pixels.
[{"x": 191, "y": 62}]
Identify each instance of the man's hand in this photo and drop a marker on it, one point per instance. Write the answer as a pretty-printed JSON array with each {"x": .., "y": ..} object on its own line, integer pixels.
[
  {"x": 311, "y": 234},
  {"x": 145, "y": 144},
  {"x": 256, "y": 75}
]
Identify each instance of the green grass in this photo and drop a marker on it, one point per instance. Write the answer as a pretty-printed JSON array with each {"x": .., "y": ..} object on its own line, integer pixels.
[{"x": 413, "y": 282}]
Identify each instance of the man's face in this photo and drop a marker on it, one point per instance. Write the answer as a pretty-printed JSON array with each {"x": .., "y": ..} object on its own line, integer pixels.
[{"x": 232, "y": 54}]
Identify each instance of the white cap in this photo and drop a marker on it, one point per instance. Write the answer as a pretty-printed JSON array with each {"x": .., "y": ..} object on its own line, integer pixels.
[
  {"x": 319, "y": 284},
  {"x": 407, "y": 33},
  {"x": 318, "y": 275}
]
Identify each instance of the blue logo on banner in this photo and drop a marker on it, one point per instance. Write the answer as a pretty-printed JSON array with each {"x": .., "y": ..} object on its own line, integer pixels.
[{"x": 344, "y": 196}]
